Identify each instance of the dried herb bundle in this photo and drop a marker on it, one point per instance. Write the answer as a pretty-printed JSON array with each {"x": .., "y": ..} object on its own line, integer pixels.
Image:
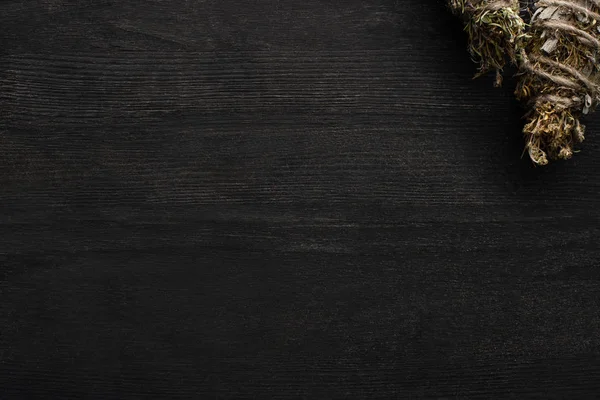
[
  {"x": 560, "y": 75},
  {"x": 495, "y": 30},
  {"x": 556, "y": 52}
]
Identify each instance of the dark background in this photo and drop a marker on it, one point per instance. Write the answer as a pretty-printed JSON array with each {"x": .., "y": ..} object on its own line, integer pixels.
[{"x": 281, "y": 199}]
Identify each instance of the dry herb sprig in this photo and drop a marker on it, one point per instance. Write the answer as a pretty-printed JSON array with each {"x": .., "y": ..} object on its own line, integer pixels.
[{"x": 496, "y": 32}]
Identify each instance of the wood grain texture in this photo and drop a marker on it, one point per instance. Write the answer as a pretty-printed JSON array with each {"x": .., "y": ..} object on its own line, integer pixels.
[{"x": 277, "y": 199}]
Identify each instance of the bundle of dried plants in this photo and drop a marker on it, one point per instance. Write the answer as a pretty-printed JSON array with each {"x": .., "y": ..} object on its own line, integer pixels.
[{"x": 556, "y": 50}]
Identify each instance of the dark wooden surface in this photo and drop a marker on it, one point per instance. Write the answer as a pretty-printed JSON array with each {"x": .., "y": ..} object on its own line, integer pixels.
[{"x": 281, "y": 199}]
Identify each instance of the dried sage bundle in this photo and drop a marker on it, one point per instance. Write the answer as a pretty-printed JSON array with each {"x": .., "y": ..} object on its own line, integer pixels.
[
  {"x": 495, "y": 32},
  {"x": 560, "y": 75}
]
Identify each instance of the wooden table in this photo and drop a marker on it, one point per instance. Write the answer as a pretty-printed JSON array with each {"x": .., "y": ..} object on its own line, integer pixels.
[{"x": 281, "y": 199}]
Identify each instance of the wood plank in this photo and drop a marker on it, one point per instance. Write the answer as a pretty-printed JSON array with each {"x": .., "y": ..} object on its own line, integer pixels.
[{"x": 216, "y": 199}]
